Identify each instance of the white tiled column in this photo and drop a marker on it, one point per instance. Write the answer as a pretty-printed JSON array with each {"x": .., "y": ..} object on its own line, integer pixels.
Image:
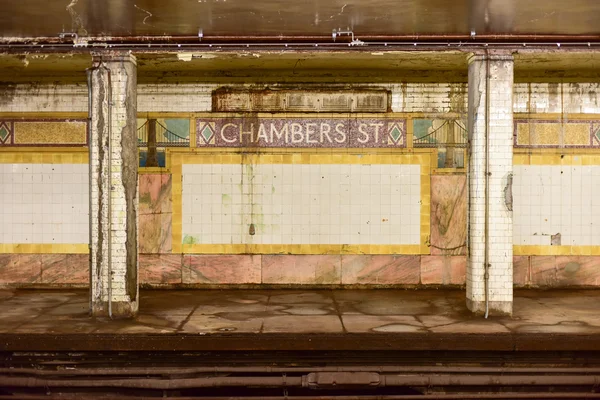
[
  {"x": 113, "y": 186},
  {"x": 490, "y": 75}
]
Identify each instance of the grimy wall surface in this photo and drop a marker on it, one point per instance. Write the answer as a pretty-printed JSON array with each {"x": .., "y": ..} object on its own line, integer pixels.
[{"x": 253, "y": 187}]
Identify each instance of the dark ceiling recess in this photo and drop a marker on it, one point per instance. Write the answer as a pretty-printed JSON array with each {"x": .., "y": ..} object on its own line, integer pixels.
[{"x": 311, "y": 22}]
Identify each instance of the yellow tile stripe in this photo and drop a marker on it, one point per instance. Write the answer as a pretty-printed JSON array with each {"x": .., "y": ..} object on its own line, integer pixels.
[
  {"x": 44, "y": 248},
  {"x": 538, "y": 250},
  {"x": 177, "y": 159},
  {"x": 55, "y": 157},
  {"x": 556, "y": 159}
]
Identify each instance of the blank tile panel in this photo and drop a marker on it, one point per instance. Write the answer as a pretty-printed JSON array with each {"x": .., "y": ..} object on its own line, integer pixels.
[
  {"x": 551, "y": 200},
  {"x": 301, "y": 204},
  {"x": 44, "y": 203}
]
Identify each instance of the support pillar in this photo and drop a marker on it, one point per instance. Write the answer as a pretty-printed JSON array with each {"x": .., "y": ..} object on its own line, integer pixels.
[
  {"x": 490, "y": 257},
  {"x": 112, "y": 85}
]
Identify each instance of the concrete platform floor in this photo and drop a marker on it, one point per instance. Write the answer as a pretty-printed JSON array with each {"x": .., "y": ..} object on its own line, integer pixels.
[{"x": 244, "y": 314}]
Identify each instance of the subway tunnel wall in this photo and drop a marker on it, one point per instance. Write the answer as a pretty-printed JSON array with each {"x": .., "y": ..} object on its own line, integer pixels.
[{"x": 415, "y": 238}]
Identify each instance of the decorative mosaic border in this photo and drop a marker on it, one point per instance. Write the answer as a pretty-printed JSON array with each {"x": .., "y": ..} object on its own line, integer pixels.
[
  {"x": 9, "y": 135},
  {"x": 301, "y": 131},
  {"x": 179, "y": 159},
  {"x": 594, "y": 135}
]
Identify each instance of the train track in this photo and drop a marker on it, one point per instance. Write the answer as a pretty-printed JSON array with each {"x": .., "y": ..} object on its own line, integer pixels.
[{"x": 301, "y": 375}]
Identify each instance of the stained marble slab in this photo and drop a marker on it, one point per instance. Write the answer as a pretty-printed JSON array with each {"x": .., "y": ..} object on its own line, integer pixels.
[
  {"x": 155, "y": 213},
  {"x": 65, "y": 269},
  {"x": 221, "y": 269},
  {"x": 448, "y": 214},
  {"x": 154, "y": 194},
  {"x": 543, "y": 271},
  {"x": 521, "y": 270},
  {"x": 154, "y": 233},
  {"x": 20, "y": 268},
  {"x": 443, "y": 270},
  {"x": 578, "y": 271},
  {"x": 301, "y": 269},
  {"x": 380, "y": 269},
  {"x": 160, "y": 268}
]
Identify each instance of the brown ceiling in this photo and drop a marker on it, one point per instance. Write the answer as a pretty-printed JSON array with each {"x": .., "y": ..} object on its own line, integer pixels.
[
  {"x": 46, "y": 18},
  {"x": 303, "y": 66}
]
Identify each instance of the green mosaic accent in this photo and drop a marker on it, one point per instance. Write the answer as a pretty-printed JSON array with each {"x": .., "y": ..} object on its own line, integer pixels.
[
  {"x": 395, "y": 133},
  {"x": 4, "y": 133},
  {"x": 597, "y": 135},
  {"x": 207, "y": 133}
]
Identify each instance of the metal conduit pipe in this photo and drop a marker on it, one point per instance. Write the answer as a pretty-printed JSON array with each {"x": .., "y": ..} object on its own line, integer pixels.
[
  {"x": 149, "y": 48},
  {"x": 88, "y": 73},
  {"x": 477, "y": 38},
  {"x": 486, "y": 259}
]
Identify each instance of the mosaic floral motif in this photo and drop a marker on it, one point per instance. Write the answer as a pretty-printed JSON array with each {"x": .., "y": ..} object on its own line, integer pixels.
[
  {"x": 306, "y": 132},
  {"x": 6, "y": 132},
  {"x": 556, "y": 134},
  {"x": 47, "y": 132}
]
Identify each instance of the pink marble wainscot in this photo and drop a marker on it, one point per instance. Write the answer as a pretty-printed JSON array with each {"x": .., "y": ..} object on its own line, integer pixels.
[
  {"x": 448, "y": 214},
  {"x": 443, "y": 270},
  {"x": 543, "y": 271},
  {"x": 155, "y": 193},
  {"x": 72, "y": 269},
  {"x": 154, "y": 233},
  {"x": 20, "y": 268},
  {"x": 380, "y": 269},
  {"x": 221, "y": 269},
  {"x": 578, "y": 271},
  {"x": 155, "y": 213},
  {"x": 302, "y": 269},
  {"x": 160, "y": 269},
  {"x": 521, "y": 271}
]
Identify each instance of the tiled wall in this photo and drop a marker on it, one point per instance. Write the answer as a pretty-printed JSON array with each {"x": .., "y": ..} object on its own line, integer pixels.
[
  {"x": 557, "y": 204},
  {"x": 44, "y": 203},
  {"x": 408, "y": 97},
  {"x": 301, "y": 204}
]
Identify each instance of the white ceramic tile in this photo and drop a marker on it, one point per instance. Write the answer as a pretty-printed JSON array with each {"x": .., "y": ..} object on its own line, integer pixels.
[
  {"x": 556, "y": 199},
  {"x": 38, "y": 196},
  {"x": 297, "y": 203}
]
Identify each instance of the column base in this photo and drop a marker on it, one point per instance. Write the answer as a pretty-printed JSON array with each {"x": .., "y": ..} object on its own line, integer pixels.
[
  {"x": 495, "y": 307},
  {"x": 120, "y": 309}
]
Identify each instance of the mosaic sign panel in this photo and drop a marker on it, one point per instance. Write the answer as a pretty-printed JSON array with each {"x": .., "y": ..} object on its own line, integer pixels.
[
  {"x": 552, "y": 133},
  {"x": 56, "y": 133},
  {"x": 307, "y": 132}
]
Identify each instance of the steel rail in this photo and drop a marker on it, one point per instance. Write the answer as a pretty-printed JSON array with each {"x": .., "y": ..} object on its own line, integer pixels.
[
  {"x": 302, "y": 381},
  {"x": 440, "y": 396},
  {"x": 74, "y": 371}
]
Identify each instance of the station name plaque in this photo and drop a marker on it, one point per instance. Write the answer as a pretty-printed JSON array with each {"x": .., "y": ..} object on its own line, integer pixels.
[{"x": 325, "y": 132}]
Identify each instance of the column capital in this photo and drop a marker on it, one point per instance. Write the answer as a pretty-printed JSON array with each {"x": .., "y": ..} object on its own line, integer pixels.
[
  {"x": 492, "y": 55},
  {"x": 119, "y": 56}
]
